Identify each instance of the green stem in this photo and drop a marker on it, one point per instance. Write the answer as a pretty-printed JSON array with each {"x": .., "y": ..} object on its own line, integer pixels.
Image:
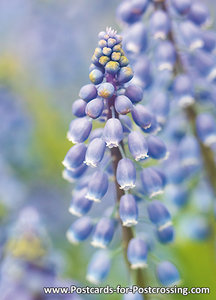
[
  {"x": 127, "y": 233},
  {"x": 207, "y": 153}
]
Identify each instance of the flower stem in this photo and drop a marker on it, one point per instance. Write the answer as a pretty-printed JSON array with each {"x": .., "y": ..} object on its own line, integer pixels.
[
  {"x": 127, "y": 233},
  {"x": 207, "y": 153}
]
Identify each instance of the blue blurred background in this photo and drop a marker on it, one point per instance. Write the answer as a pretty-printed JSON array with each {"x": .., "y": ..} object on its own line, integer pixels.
[{"x": 46, "y": 47}]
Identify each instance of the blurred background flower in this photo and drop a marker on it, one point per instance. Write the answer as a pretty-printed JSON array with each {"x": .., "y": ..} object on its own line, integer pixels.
[{"x": 46, "y": 47}]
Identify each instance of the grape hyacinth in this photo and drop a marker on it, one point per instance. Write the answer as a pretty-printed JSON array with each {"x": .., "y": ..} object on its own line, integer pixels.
[
  {"x": 173, "y": 58},
  {"x": 119, "y": 152},
  {"x": 29, "y": 262},
  {"x": 141, "y": 157}
]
